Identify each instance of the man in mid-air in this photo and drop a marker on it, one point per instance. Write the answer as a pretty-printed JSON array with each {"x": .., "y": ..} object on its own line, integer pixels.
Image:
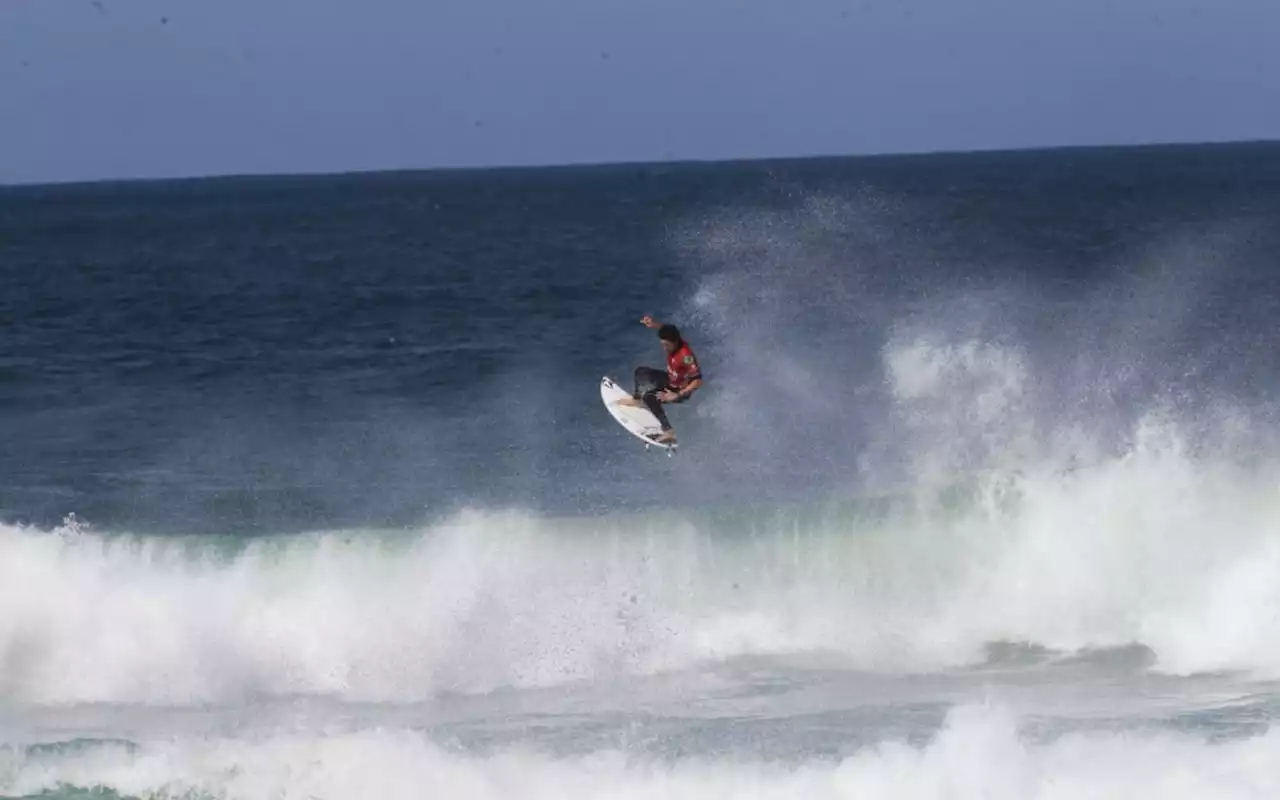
[{"x": 674, "y": 385}]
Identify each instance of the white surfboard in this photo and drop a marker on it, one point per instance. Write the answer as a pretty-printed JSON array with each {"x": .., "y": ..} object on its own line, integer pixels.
[{"x": 637, "y": 420}]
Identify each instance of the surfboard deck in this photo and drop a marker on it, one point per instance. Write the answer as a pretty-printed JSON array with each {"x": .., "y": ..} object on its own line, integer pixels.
[{"x": 635, "y": 420}]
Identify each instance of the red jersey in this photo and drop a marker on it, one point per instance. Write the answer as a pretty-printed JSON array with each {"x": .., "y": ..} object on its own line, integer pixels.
[{"x": 682, "y": 367}]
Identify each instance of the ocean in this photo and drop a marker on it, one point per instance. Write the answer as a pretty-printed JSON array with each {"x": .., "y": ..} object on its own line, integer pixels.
[{"x": 306, "y": 489}]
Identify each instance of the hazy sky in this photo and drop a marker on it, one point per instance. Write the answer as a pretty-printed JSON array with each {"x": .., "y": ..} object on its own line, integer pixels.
[{"x": 129, "y": 88}]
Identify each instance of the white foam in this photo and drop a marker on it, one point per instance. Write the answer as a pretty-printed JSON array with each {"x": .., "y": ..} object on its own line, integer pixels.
[
  {"x": 978, "y": 754},
  {"x": 1170, "y": 546},
  {"x": 1156, "y": 547}
]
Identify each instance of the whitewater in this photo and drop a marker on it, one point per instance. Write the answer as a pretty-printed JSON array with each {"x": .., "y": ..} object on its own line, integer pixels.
[
  {"x": 1150, "y": 551},
  {"x": 1074, "y": 641},
  {"x": 1025, "y": 634}
]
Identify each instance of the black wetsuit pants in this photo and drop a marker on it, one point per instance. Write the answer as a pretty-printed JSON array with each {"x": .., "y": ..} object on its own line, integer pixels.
[{"x": 649, "y": 382}]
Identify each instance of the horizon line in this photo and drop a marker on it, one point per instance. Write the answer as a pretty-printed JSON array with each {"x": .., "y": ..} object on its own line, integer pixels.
[{"x": 675, "y": 163}]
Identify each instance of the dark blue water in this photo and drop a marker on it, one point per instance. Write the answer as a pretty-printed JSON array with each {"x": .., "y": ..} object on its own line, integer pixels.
[{"x": 266, "y": 354}]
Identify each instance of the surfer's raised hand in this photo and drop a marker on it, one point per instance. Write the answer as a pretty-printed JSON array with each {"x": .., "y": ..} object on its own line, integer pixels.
[{"x": 648, "y": 321}]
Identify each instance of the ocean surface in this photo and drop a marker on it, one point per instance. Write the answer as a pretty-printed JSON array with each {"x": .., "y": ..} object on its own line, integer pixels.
[{"x": 306, "y": 489}]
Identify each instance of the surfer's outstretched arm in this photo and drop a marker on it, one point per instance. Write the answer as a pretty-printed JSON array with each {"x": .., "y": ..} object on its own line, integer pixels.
[{"x": 650, "y": 322}]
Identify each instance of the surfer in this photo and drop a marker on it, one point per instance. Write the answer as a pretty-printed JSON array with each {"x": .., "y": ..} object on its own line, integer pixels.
[{"x": 675, "y": 384}]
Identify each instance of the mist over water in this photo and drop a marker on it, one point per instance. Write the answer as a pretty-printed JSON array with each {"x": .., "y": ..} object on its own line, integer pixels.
[{"x": 980, "y": 499}]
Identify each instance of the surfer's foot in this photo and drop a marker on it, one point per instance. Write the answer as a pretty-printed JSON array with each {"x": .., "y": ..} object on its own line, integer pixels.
[
  {"x": 631, "y": 402},
  {"x": 666, "y": 437}
]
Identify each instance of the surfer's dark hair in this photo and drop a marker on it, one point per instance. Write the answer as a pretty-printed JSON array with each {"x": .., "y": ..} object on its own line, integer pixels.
[{"x": 669, "y": 333}]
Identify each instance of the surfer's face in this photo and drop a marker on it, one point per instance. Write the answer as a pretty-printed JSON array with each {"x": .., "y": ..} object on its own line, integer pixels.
[{"x": 669, "y": 347}]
